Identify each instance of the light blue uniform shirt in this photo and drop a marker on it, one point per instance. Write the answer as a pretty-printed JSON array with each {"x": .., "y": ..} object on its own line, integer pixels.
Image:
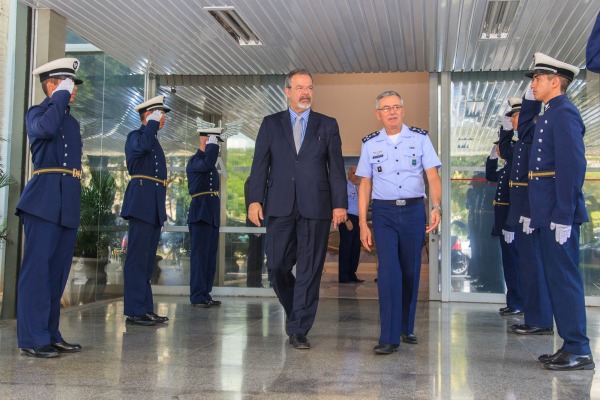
[
  {"x": 304, "y": 122},
  {"x": 352, "y": 198},
  {"x": 397, "y": 169}
]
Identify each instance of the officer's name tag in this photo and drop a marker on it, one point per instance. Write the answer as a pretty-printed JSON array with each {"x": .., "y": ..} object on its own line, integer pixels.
[{"x": 377, "y": 156}]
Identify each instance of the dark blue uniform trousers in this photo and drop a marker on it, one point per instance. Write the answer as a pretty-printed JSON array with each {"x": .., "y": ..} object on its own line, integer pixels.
[
  {"x": 139, "y": 264},
  {"x": 42, "y": 279},
  {"x": 399, "y": 233},
  {"x": 565, "y": 286},
  {"x": 510, "y": 266},
  {"x": 205, "y": 241},
  {"x": 349, "y": 254},
  {"x": 301, "y": 241},
  {"x": 536, "y": 300}
]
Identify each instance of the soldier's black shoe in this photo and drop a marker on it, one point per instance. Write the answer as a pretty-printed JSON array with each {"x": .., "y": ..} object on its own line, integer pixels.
[
  {"x": 142, "y": 320},
  {"x": 533, "y": 330},
  {"x": 410, "y": 339},
  {"x": 385, "y": 348},
  {"x": 571, "y": 362},
  {"x": 157, "y": 318},
  {"x": 214, "y": 302},
  {"x": 65, "y": 347},
  {"x": 41, "y": 352},
  {"x": 299, "y": 341},
  {"x": 511, "y": 311},
  {"x": 544, "y": 358},
  {"x": 202, "y": 304}
]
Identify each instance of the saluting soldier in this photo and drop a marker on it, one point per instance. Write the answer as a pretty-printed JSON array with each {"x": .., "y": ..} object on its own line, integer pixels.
[
  {"x": 204, "y": 217},
  {"x": 144, "y": 208},
  {"x": 510, "y": 257},
  {"x": 556, "y": 176},
  {"x": 50, "y": 211},
  {"x": 392, "y": 162}
]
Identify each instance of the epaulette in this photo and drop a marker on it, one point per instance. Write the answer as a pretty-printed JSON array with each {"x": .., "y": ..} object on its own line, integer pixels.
[
  {"x": 418, "y": 130},
  {"x": 370, "y": 136}
]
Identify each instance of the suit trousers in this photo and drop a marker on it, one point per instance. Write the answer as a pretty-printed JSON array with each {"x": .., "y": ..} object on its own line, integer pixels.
[
  {"x": 349, "y": 254},
  {"x": 203, "y": 261},
  {"x": 295, "y": 240},
  {"x": 565, "y": 286},
  {"x": 142, "y": 243},
  {"x": 399, "y": 233},
  {"x": 42, "y": 279},
  {"x": 536, "y": 300},
  {"x": 510, "y": 266}
]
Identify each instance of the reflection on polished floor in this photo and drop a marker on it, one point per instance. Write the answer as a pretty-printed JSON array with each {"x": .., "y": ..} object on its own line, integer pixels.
[{"x": 240, "y": 351}]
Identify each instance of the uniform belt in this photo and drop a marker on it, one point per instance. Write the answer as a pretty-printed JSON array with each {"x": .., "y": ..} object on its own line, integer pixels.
[
  {"x": 203, "y": 193},
  {"x": 543, "y": 174},
  {"x": 401, "y": 202},
  {"x": 513, "y": 183},
  {"x": 150, "y": 178},
  {"x": 76, "y": 173},
  {"x": 500, "y": 203}
]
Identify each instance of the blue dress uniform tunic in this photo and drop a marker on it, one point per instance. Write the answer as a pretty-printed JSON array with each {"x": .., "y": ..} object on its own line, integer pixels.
[
  {"x": 510, "y": 256},
  {"x": 556, "y": 196},
  {"x": 144, "y": 208},
  {"x": 204, "y": 221},
  {"x": 592, "y": 51},
  {"x": 399, "y": 227},
  {"x": 536, "y": 300},
  {"x": 349, "y": 254},
  {"x": 50, "y": 210}
]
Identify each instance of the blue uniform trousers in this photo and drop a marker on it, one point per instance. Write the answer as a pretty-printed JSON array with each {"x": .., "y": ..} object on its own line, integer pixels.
[
  {"x": 399, "y": 233},
  {"x": 139, "y": 264},
  {"x": 349, "y": 253},
  {"x": 565, "y": 286},
  {"x": 42, "y": 279},
  {"x": 536, "y": 300},
  {"x": 301, "y": 241},
  {"x": 204, "y": 242},
  {"x": 510, "y": 266}
]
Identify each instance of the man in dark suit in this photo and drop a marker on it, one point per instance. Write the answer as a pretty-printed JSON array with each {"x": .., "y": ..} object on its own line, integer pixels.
[{"x": 298, "y": 159}]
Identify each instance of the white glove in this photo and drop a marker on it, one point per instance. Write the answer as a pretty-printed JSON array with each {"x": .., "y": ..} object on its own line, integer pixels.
[
  {"x": 66, "y": 84},
  {"x": 508, "y": 236},
  {"x": 562, "y": 232},
  {"x": 156, "y": 115},
  {"x": 212, "y": 139},
  {"x": 494, "y": 153},
  {"x": 526, "y": 221},
  {"x": 506, "y": 124},
  {"x": 529, "y": 94}
]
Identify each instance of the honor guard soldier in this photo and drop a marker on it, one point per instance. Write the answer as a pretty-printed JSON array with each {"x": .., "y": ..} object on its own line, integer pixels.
[
  {"x": 592, "y": 51},
  {"x": 392, "y": 162},
  {"x": 144, "y": 208},
  {"x": 508, "y": 247},
  {"x": 536, "y": 301},
  {"x": 556, "y": 175},
  {"x": 50, "y": 211},
  {"x": 204, "y": 217}
]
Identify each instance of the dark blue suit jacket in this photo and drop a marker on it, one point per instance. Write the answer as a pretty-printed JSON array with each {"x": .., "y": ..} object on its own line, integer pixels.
[
  {"x": 55, "y": 142},
  {"x": 314, "y": 178},
  {"x": 145, "y": 199},
  {"x": 203, "y": 176}
]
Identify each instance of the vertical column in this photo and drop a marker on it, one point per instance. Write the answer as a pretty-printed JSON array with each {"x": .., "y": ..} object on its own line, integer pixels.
[{"x": 445, "y": 132}]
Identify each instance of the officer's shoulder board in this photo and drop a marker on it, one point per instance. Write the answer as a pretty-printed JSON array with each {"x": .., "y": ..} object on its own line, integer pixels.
[
  {"x": 370, "y": 136},
  {"x": 418, "y": 130}
]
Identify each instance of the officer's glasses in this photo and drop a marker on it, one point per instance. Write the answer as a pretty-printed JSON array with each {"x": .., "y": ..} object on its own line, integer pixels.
[{"x": 387, "y": 109}]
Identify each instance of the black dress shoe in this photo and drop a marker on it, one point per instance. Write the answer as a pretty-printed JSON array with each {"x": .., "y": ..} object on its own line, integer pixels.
[
  {"x": 202, "y": 304},
  {"x": 299, "y": 341},
  {"x": 410, "y": 339},
  {"x": 214, "y": 302},
  {"x": 515, "y": 326},
  {"x": 544, "y": 358},
  {"x": 65, "y": 347},
  {"x": 356, "y": 280},
  {"x": 346, "y": 281},
  {"x": 571, "y": 362},
  {"x": 533, "y": 330},
  {"x": 503, "y": 309},
  {"x": 385, "y": 348},
  {"x": 142, "y": 320},
  {"x": 511, "y": 311},
  {"x": 157, "y": 318},
  {"x": 41, "y": 352}
]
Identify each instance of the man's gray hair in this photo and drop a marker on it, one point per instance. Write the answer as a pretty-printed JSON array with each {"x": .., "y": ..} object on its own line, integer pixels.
[
  {"x": 299, "y": 71},
  {"x": 387, "y": 94}
]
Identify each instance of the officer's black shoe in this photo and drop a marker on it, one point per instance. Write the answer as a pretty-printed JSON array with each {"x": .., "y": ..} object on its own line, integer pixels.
[
  {"x": 345, "y": 281},
  {"x": 356, "y": 280},
  {"x": 214, "y": 302},
  {"x": 299, "y": 341},
  {"x": 544, "y": 358},
  {"x": 157, "y": 318},
  {"x": 571, "y": 362},
  {"x": 410, "y": 339},
  {"x": 65, "y": 347},
  {"x": 41, "y": 352},
  {"x": 202, "y": 304},
  {"x": 511, "y": 311},
  {"x": 521, "y": 326},
  {"x": 385, "y": 348},
  {"x": 503, "y": 309},
  {"x": 143, "y": 320},
  {"x": 533, "y": 330}
]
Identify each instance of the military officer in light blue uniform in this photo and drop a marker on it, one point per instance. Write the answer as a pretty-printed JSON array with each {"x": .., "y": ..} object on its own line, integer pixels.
[
  {"x": 204, "y": 217},
  {"x": 556, "y": 175},
  {"x": 392, "y": 162},
  {"x": 49, "y": 208},
  {"x": 536, "y": 301},
  {"x": 144, "y": 208},
  {"x": 510, "y": 256}
]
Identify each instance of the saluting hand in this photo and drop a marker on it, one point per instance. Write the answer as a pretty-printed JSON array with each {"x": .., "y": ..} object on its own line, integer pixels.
[
  {"x": 66, "y": 84},
  {"x": 155, "y": 115},
  {"x": 255, "y": 213}
]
